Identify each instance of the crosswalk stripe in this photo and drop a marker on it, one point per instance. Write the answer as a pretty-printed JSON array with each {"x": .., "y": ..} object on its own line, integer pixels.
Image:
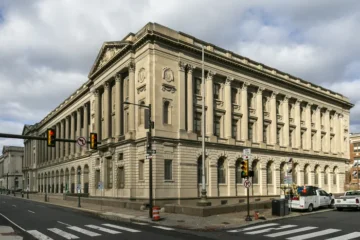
[
  {"x": 103, "y": 229},
  {"x": 140, "y": 223},
  {"x": 314, "y": 234},
  {"x": 39, "y": 235},
  {"x": 121, "y": 228},
  {"x": 278, "y": 234},
  {"x": 164, "y": 228},
  {"x": 346, "y": 237},
  {"x": 84, "y": 231},
  {"x": 255, "y": 227},
  {"x": 63, "y": 233},
  {"x": 269, "y": 229}
]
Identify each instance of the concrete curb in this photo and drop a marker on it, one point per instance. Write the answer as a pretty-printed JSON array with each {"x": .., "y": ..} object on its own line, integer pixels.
[{"x": 131, "y": 218}]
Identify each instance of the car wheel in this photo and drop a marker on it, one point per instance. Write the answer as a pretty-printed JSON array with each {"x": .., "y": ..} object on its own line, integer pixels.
[
  {"x": 339, "y": 209},
  {"x": 310, "y": 208}
]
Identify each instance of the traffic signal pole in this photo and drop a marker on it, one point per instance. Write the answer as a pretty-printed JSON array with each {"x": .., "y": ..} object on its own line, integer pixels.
[
  {"x": 6, "y": 135},
  {"x": 150, "y": 167}
]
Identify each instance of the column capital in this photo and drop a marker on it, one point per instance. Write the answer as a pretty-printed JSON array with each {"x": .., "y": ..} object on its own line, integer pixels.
[
  {"x": 274, "y": 94},
  {"x": 86, "y": 104},
  {"x": 286, "y": 98},
  {"x": 210, "y": 75},
  {"x": 190, "y": 68},
  {"x": 131, "y": 66},
  {"x": 318, "y": 108},
  {"x": 79, "y": 109},
  {"x": 96, "y": 92},
  {"x": 228, "y": 81},
  {"x": 182, "y": 66},
  {"x": 245, "y": 86},
  {"x": 107, "y": 85},
  {"x": 260, "y": 90},
  {"x": 298, "y": 102},
  {"x": 118, "y": 77}
]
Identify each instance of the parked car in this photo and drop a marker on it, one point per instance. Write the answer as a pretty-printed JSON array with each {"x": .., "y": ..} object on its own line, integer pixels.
[
  {"x": 350, "y": 200},
  {"x": 310, "y": 198}
]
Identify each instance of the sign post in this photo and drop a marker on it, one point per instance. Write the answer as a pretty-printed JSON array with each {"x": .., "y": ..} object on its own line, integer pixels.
[{"x": 247, "y": 183}]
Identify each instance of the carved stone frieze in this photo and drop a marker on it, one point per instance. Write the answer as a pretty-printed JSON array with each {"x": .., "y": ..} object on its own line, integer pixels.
[
  {"x": 109, "y": 54},
  {"x": 168, "y": 88},
  {"x": 168, "y": 74},
  {"x": 142, "y": 75},
  {"x": 141, "y": 89}
]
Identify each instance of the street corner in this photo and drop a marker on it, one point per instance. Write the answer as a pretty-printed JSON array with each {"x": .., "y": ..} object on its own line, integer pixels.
[{"x": 8, "y": 233}]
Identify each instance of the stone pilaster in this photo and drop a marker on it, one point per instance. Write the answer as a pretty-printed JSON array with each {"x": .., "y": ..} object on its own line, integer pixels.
[
  {"x": 327, "y": 130},
  {"x": 131, "y": 123},
  {"x": 318, "y": 129},
  {"x": 118, "y": 105},
  {"x": 62, "y": 130},
  {"x": 286, "y": 121},
  {"x": 78, "y": 130},
  {"x": 97, "y": 114},
  {"x": 182, "y": 101},
  {"x": 190, "y": 99},
  {"x": 308, "y": 142},
  {"x": 273, "y": 117},
  {"x": 298, "y": 124},
  {"x": 53, "y": 149},
  {"x": 107, "y": 132},
  {"x": 86, "y": 124},
  {"x": 245, "y": 112},
  {"x": 72, "y": 133},
  {"x": 210, "y": 104},
  {"x": 228, "y": 109},
  {"x": 341, "y": 134},
  {"x": 57, "y": 144},
  {"x": 336, "y": 131},
  {"x": 260, "y": 116}
]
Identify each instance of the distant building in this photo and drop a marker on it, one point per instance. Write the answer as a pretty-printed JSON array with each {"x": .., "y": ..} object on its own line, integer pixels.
[
  {"x": 11, "y": 167},
  {"x": 354, "y": 157}
]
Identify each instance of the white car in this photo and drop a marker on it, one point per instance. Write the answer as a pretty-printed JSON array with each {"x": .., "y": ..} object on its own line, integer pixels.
[
  {"x": 311, "y": 198},
  {"x": 350, "y": 200}
]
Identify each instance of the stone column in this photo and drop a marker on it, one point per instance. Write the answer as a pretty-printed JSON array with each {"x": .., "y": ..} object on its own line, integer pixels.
[
  {"x": 78, "y": 131},
  {"x": 131, "y": 109},
  {"x": 182, "y": 100},
  {"x": 228, "y": 108},
  {"x": 318, "y": 129},
  {"x": 107, "y": 110},
  {"x": 67, "y": 135},
  {"x": 308, "y": 126},
  {"x": 286, "y": 120},
  {"x": 97, "y": 113},
  {"x": 72, "y": 133},
  {"x": 118, "y": 105},
  {"x": 86, "y": 125},
  {"x": 336, "y": 131},
  {"x": 341, "y": 128},
  {"x": 327, "y": 130},
  {"x": 273, "y": 117},
  {"x": 245, "y": 112},
  {"x": 57, "y": 144},
  {"x": 298, "y": 124},
  {"x": 190, "y": 99},
  {"x": 260, "y": 116},
  {"x": 62, "y": 129},
  {"x": 53, "y": 149},
  {"x": 210, "y": 104}
]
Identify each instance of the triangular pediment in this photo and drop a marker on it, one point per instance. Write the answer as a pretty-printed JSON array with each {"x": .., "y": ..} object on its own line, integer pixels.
[
  {"x": 25, "y": 129},
  {"x": 107, "y": 52}
]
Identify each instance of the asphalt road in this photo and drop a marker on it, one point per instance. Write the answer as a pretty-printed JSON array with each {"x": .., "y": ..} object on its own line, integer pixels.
[
  {"x": 332, "y": 225},
  {"x": 45, "y": 221}
]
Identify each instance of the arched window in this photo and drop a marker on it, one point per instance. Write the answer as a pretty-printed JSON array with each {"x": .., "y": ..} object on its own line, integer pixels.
[
  {"x": 306, "y": 174},
  {"x": 141, "y": 113},
  {"x": 269, "y": 173},
  {"x": 317, "y": 175},
  {"x": 199, "y": 170},
  {"x": 221, "y": 171},
  {"x": 255, "y": 179},
  {"x": 282, "y": 173},
  {"x": 166, "y": 112},
  {"x": 238, "y": 171},
  {"x": 326, "y": 177}
]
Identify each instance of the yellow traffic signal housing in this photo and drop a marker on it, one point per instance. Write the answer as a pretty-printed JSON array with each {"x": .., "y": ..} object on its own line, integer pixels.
[
  {"x": 51, "y": 136},
  {"x": 93, "y": 141},
  {"x": 244, "y": 168}
]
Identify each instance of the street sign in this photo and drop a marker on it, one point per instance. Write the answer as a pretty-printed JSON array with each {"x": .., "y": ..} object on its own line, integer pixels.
[
  {"x": 288, "y": 180},
  {"x": 81, "y": 141},
  {"x": 148, "y": 156},
  {"x": 247, "y": 151},
  {"x": 247, "y": 183},
  {"x": 100, "y": 185}
]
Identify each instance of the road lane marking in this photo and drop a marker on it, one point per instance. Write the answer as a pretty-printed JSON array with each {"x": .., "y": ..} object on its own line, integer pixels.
[
  {"x": 64, "y": 224},
  {"x": 12, "y": 222},
  {"x": 63, "y": 233},
  {"x": 346, "y": 237},
  {"x": 39, "y": 235},
  {"x": 253, "y": 228},
  {"x": 140, "y": 223},
  {"x": 14, "y": 205},
  {"x": 278, "y": 234},
  {"x": 102, "y": 229},
  {"x": 314, "y": 234},
  {"x": 84, "y": 231},
  {"x": 164, "y": 228},
  {"x": 121, "y": 228},
  {"x": 269, "y": 229},
  {"x": 31, "y": 211}
]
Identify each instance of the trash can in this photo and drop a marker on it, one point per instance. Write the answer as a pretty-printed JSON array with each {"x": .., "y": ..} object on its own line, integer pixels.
[
  {"x": 286, "y": 207},
  {"x": 278, "y": 207}
]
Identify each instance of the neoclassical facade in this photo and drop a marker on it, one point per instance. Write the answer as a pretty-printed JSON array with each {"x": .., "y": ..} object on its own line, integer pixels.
[
  {"x": 11, "y": 161},
  {"x": 248, "y": 105}
]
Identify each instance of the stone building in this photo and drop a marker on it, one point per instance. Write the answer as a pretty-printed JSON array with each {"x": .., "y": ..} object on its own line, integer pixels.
[
  {"x": 248, "y": 105},
  {"x": 354, "y": 163},
  {"x": 11, "y": 161}
]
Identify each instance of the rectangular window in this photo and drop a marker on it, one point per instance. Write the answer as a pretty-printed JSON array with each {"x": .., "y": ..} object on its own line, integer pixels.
[
  {"x": 216, "y": 91},
  {"x": 265, "y": 134},
  {"x": 121, "y": 177},
  {"x": 109, "y": 173},
  {"x": 168, "y": 169},
  {"x": 322, "y": 143},
  {"x": 198, "y": 86},
  {"x": 234, "y": 128},
  {"x": 278, "y": 107},
  {"x": 197, "y": 123},
  {"x": 302, "y": 139},
  {"x": 290, "y": 137},
  {"x": 121, "y": 156},
  {"x": 141, "y": 170},
  {"x": 217, "y": 126},
  {"x": 234, "y": 95},
  {"x": 251, "y": 132},
  {"x": 97, "y": 177},
  {"x": 313, "y": 141},
  {"x": 278, "y": 134}
]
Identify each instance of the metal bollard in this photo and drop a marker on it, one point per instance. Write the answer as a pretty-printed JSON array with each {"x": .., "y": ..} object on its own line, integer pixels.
[
  {"x": 79, "y": 205},
  {"x": 27, "y": 195},
  {"x": 22, "y": 194}
]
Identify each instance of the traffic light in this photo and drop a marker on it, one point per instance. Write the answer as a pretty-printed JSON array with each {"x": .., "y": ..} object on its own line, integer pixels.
[
  {"x": 51, "y": 137},
  {"x": 93, "y": 141},
  {"x": 244, "y": 168}
]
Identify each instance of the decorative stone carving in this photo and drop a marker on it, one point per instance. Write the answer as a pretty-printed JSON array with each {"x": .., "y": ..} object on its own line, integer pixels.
[
  {"x": 229, "y": 80},
  {"x": 92, "y": 105},
  {"x": 107, "y": 85},
  {"x": 286, "y": 98},
  {"x": 96, "y": 92},
  {"x": 109, "y": 54},
  {"x": 142, "y": 75},
  {"x": 182, "y": 66},
  {"x": 168, "y": 74},
  {"x": 118, "y": 77},
  {"x": 274, "y": 94},
  {"x": 168, "y": 88},
  {"x": 131, "y": 66},
  {"x": 219, "y": 103},
  {"x": 210, "y": 75},
  {"x": 190, "y": 68},
  {"x": 141, "y": 89},
  {"x": 260, "y": 90},
  {"x": 245, "y": 86}
]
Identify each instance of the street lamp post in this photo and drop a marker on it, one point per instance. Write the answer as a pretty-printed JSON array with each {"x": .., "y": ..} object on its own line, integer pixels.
[
  {"x": 7, "y": 183},
  {"x": 149, "y": 123},
  {"x": 79, "y": 173},
  {"x": 45, "y": 187}
]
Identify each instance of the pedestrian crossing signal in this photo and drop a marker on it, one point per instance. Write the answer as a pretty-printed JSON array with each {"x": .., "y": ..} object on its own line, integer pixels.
[
  {"x": 244, "y": 168},
  {"x": 51, "y": 136},
  {"x": 93, "y": 141}
]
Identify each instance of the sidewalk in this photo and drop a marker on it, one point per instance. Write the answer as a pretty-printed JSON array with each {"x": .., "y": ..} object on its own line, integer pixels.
[
  {"x": 216, "y": 222},
  {"x": 8, "y": 233}
]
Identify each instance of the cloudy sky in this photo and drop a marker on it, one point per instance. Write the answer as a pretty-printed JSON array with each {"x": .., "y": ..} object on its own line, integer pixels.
[{"x": 48, "y": 47}]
